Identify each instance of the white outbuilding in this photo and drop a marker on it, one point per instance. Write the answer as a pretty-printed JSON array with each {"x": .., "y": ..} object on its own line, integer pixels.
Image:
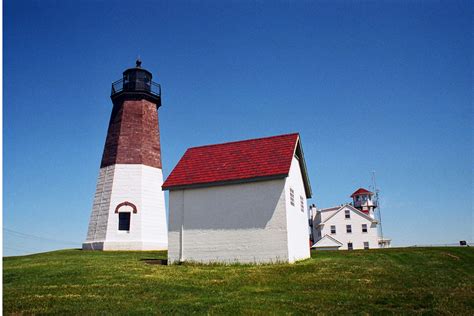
[{"x": 241, "y": 201}]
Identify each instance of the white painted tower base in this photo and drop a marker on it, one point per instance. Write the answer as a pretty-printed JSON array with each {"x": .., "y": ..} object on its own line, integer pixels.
[{"x": 135, "y": 184}]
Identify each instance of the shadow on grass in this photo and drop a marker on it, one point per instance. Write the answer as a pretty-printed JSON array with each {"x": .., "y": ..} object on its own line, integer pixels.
[{"x": 162, "y": 262}]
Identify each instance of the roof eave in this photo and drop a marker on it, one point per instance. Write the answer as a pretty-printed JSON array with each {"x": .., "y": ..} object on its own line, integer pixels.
[
  {"x": 225, "y": 182},
  {"x": 304, "y": 171}
]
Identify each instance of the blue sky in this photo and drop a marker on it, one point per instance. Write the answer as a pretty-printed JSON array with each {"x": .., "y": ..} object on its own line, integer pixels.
[{"x": 372, "y": 85}]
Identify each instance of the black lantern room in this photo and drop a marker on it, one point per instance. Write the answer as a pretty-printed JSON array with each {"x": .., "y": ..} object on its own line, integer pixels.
[{"x": 136, "y": 84}]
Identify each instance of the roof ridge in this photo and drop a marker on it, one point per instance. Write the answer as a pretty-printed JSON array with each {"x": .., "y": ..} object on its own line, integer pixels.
[
  {"x": 361, "y": 191},
  {"x": 326, "y": 235},
  {"x": 331, "y": 208},
  {"x": 360, "y": 212},
  {"x": 245, "y": 140}
]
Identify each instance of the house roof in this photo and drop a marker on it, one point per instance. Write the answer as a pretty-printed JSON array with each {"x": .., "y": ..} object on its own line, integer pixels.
[
  {"x": 349, "y": 206},
  {"x": 327, "y": 241},
  {"x": 330, "y": 208},
  {"x": 361, "y": 191},
  {"x": 240, "y": 161}
]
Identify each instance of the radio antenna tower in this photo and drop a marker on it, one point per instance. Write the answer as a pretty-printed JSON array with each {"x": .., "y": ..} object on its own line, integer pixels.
[{"x": 377, "y": 201}]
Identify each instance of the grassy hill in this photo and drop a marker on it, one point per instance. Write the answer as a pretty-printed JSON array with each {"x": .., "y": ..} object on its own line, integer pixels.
[{"x": 411, "y": 280}]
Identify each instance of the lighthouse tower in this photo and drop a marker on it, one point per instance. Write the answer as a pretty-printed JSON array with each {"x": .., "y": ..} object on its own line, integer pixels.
[
  {"x": 129, "y": 206},
  {"x": 362, "y": 199}
]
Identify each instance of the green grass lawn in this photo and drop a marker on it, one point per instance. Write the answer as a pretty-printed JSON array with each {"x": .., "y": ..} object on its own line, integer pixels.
[{"x": 410, "y": 280}]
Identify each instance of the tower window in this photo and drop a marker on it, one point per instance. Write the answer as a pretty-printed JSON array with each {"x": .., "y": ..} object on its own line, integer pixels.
[
  {"x": 366, "y": 245},
  {"x": 348, "y": 214},
  {"x": 364, "y": 228},
  {"x": 302, "y": 203},
  {"x": 349, "y": 229},
  {"x": 292, "y": 197},
  {"x": 124, "y": 221},
  {"x": 349, "y": 246},
  {"x": 333, "y": 229}
]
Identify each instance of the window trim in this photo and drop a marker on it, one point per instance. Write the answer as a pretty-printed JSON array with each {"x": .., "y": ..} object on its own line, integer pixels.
[
  {"x": 366, "y": 229},
  {"x": 120, "y": 220},
  {"x": 347, "y": 213},
  {"x": 334, "y": 229},
  {"x": 126, "y": 203},
  {"x": 349, "y": 229}
]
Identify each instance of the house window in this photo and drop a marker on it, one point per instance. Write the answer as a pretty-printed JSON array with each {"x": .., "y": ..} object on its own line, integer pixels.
[
  {"x": 333, "y": 229},
  {"x": 292, "y": 197},
  {"x": 348, "y": 214},
  {"x": 349, "y": 246},
  {"x": 302, "y": 203},
  {"x": 364, "y": 228},
  {"x": 124, "y": 221},
  {"x": 319, "y": 234},
  {"x": 366, "y": 245},
  {"x": 348, "y": 229}
]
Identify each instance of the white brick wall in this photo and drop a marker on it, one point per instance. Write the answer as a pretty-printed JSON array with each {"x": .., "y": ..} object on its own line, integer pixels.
[
  {"x": 100, "y": 209},
  {"x": 250, "y": 222},
  {"x": 140, "y": 185},
  {"x": 231, "y": 223},
  {"x": 298, "y": 226}
]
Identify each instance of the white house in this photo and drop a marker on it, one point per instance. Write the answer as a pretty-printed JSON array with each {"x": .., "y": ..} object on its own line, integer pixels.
[
  {"x": 349, "y": 226},
  {"x": 241, "y": 201}
]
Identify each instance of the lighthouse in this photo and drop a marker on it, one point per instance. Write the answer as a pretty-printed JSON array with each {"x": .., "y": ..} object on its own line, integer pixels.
[{"x": 128, "y": 211}]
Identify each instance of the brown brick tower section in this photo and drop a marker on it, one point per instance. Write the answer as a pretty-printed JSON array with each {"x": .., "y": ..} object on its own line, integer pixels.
[{"x": 133, "y": 136}]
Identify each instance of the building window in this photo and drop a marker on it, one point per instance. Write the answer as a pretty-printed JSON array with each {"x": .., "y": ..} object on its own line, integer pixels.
[
  {"x": 319, "y": 234},
  {"x": 364, "y": 228},
  {"x": 348, "y": 214},
  {"x": 349, "y": 229},
  {"x": 333, "y": 229},
  {"x": 124, "y": 221},
  {"x": 349, "y": 246},
  {"x": 302, "y": 203},
  {"x": 292, "y": 197},
  {"x": 366, "y": 245}
]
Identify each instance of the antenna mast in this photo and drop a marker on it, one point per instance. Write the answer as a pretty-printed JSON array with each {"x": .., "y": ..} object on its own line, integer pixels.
[{"x": 377, "y": 201}]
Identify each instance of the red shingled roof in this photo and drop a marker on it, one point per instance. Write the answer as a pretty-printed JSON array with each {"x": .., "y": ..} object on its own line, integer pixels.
[
  {"x": 361, "y": 191},
  {"x": 247, "y": 160}
]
